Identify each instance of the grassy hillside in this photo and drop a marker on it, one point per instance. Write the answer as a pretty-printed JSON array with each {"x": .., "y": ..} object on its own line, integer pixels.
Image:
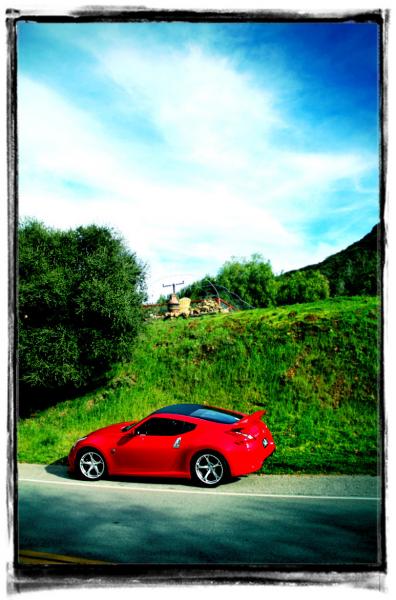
[
  {"x": 313, "y": 367},
  {"x": 354, "y": 270}
]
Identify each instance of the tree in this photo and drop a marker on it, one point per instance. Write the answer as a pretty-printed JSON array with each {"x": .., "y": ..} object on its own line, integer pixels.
[
  {"x": 79, "y": 304},
  {"x": 162, "y": 299},
  {"x": 302, "y": 286},
  {"x": 251, "y": 279},
  {"x": 198, "y": 289}
]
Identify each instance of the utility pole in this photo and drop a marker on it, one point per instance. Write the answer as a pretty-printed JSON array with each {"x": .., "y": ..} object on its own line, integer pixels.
[{"x": 173, "y": 286}]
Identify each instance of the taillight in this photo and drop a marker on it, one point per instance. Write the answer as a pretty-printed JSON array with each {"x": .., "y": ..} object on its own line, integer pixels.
[{"x": 240, "y": 437}]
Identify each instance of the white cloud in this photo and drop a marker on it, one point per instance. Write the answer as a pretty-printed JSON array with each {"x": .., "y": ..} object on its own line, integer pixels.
[
  {"x": 204, "y": 109},
  {"x": 57, "y": 140}
]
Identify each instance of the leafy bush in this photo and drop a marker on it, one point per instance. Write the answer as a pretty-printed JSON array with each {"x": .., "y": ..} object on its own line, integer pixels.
[
  {"x": 252, "y": 279},
  {"x": 243, "y": 282},
  {"x": 80, "y": 296},
  {"x": 302, "y": 286}
]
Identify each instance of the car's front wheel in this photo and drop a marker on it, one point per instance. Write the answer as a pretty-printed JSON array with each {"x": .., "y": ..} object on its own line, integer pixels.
[
  {"x": 90, "y": 464},
  {"x": 208, "y": 469}
]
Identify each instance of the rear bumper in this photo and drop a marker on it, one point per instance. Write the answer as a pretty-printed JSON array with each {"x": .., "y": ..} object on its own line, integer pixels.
[{"x": 249, "y": 460}]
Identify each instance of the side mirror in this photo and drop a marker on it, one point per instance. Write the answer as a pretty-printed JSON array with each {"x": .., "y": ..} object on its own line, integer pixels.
[{"x": 126, "y": 428}]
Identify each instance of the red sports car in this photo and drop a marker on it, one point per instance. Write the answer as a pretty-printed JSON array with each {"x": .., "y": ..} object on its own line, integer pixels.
[{"x": 194, "y": 441}]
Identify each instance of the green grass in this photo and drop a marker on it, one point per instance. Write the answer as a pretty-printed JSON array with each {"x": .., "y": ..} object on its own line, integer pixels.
[{"x": 313, "y": 367}]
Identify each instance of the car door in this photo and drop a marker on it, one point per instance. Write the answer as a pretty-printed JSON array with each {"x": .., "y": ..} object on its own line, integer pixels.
[{"x": 152, "y": 448}]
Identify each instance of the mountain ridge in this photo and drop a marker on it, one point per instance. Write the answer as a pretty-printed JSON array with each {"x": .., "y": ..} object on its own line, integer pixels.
[{"x": 355, "y": 270}]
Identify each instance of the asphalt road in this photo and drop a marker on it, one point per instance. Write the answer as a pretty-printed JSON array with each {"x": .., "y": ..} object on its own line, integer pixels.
[{"x": 256, "y": 520}]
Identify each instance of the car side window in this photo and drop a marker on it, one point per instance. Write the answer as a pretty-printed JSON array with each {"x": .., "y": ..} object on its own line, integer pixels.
[
  {"x": 188, "y": 427},
  {"x": 156, "y": 426}
]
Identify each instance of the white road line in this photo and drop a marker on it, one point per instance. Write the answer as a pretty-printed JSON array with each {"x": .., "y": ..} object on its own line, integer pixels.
[{"x": 208, "y": 492}]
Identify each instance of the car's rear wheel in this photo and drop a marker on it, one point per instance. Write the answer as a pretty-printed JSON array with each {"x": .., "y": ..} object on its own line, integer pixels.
[
  {"x": 208, "y": 469},
  {"x": 91, "y": 465}
]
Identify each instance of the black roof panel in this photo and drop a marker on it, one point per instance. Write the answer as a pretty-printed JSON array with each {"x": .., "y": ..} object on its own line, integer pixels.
[{"x": 200, "y": 411}]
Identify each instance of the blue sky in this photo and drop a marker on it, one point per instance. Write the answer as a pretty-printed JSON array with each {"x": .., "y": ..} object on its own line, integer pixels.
[{"x": 199, "y": 142}]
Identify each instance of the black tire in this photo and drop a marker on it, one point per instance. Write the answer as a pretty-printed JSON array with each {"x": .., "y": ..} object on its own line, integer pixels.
[
  {"x": 209, "y": 469},
  {"x": 90, "y": 465}
]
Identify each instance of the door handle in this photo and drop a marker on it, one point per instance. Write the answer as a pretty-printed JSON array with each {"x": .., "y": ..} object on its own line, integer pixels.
[{"x": 177, "y": 443}]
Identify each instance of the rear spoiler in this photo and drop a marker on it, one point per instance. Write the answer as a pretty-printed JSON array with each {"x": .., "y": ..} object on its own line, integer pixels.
[{"x": 249, "y": 420}]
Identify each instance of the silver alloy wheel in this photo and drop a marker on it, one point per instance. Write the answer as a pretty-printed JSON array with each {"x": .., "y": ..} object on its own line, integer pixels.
[
  {"x": 209, "y": 469},
  {"x": 92, "y": 465}
]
